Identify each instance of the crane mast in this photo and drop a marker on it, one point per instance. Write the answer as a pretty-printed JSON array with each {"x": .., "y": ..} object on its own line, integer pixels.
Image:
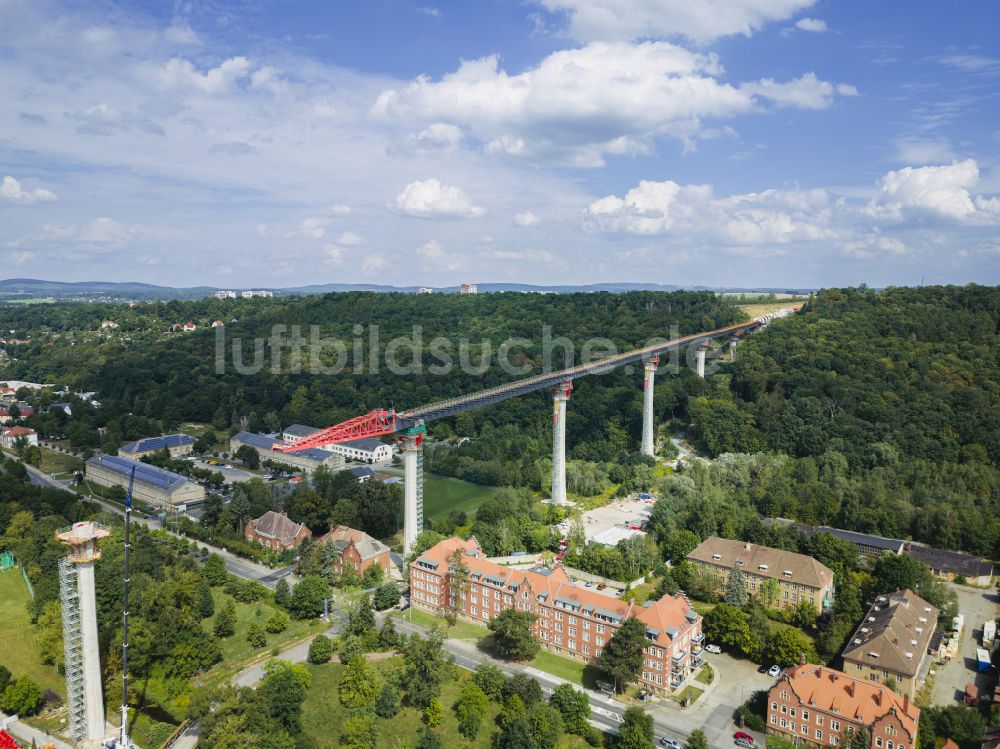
[{"x": 123, "y": 742}]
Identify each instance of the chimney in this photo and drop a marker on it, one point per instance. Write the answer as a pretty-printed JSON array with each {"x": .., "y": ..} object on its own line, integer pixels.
[
  {"x": 906, "y": 703},
  {"x": 802, "y": 659},
  {"x": 747, "y": 546}
]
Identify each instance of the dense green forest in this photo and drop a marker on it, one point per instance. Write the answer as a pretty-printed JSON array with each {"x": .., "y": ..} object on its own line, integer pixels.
[{"x": 881, "y": 411}]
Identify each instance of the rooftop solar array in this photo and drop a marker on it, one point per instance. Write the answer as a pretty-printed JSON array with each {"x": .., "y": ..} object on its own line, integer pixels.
[
  {"x": 147, "y": 474},
  {"x": 159, "y": 443},
  {"x": 267, "y": 441}
]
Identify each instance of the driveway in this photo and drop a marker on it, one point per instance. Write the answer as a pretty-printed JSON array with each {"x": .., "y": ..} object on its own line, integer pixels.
[
  {"x": 950, "y": 679},
  {"x": 229, "y": 475}
]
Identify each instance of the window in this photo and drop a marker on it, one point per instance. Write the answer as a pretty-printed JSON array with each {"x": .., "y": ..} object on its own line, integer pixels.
[
  {"x": 558, "y": 639},
  {"x": 774, "y": 705},
  {"x": 819, "y": 720},
  {"x": 819, "y": 734},
  {"x": 834, "y": 725},
  {"x": 805, "y": 715},
  {"x": 834, "y": 740},
  {"x": 791, "y": 712},
  {"x": 784, "y": 723},
  {"x": 774, "y": 720},
  {"x": 571, "y": 644},
  {"x": 784, "y": 709},
  {"x": 586, "y": 648},
  {"x": 805, "y": 730},
  {"x": 878, "y": 741}
]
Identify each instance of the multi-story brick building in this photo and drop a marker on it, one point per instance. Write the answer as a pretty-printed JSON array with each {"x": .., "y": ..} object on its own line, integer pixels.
[
  {"x": 892, "y": 642},
  {"x": 356, "y": 549},
  {"x": 273, "y": 530},
  {"x": 573, "y": 621},
  {"x": 799, "y": 577},
  {"x": 819, "y": 706}
]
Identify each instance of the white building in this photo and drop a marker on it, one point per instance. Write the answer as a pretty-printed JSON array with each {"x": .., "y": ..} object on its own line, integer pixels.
[
  {"x": 250, "y": 294},
  {"x": 366, "y": 450},
  {"x": 225, "y": 294},
  {"x": 468, "y": 288},
  {"x": 10, "y": 435},
  {"x": 425, "y": 290}
]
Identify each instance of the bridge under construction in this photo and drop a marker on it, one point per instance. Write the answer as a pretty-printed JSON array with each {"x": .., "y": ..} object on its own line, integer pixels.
[{"x": 411, "y": 424}]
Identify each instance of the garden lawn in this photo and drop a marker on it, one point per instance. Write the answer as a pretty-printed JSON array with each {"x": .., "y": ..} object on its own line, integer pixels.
[
  {"x": 322, "y": 713},
  {"x": 443, "y": 494},
  {"x": 18, "y": 650},
  {"x": 54, "y": 461},
  {"x": 236, "y": 651},
  {"x": 461, "y": 631}
]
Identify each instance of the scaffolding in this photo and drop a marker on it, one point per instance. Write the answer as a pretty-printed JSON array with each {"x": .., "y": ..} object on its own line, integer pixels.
[
  {"x": 420, "y": 488},
  {"x": 69, "y": 597}
]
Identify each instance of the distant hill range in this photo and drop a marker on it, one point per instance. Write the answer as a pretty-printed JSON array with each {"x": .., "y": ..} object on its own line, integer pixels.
[{"x": 14, "y": 289}]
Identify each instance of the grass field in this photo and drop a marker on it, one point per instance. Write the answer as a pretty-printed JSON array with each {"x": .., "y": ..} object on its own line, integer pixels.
[
  {"x": 443, "y": 494},
  {"x": 57, "y": 462},
  {"x": 322, "y": 713},
  {"x": 762, "y": 308},
  {"x": 18, "y": 650},
  {"x": 550, "y": 663},
  {"x": 690, "y": 693}
]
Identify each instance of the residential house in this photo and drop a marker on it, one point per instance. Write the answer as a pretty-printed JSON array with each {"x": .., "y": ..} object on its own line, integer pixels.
[
  {"x": 468, "y": 288},
  {"x": 817, "y": 706},
  {"x": 307, "y": 460},
  {"x": 893, "y": 642},
  {"x": 363, "y": 473},
  {"x": 156, "y": 486},
  {"x": 22, "y": 412},
  {"x": 273, "y": 530},
  {"x": 573, "y": 621},
  {"x": 799, "y": 577},
  {"x": 355, "y": 549},
  {"x": 365, "y": 450},
  {"x": 9, "y": 436},
  {"x": 108, "y": 325}
]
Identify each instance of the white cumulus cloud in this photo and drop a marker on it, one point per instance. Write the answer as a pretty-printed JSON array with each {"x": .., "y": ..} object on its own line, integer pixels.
[
  {"x": 815, "y": 25},
  {"x": 349, "y": 239},
  {"x": 11, "y": 189},
  {"x": 700, "y": 20},
  {"x": 180, "y": 74},
  {"x": 526, "y": 218},
  {"x": 942, "y": 191},
  {"x": 430, "y": 199},
  {"x": 579, "y": 104}
]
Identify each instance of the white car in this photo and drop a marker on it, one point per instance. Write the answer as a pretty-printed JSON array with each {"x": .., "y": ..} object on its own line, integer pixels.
[
  {"x": 670, "y": 743},
  {"x": 713, "y": 649},
  {"x": 774, "y": 671}
]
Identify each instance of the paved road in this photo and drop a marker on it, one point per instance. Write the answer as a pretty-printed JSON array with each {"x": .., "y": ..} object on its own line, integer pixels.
[
  {"x": 27, "y": 734},
  {"x": 950, "y": 679}
]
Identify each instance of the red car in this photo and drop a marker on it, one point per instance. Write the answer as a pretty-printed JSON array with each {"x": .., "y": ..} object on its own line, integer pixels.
[{"x": 743, "y": 739}]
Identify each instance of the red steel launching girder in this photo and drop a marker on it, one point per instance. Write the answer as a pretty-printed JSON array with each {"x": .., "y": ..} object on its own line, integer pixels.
[{"x": 372, "y": 424}]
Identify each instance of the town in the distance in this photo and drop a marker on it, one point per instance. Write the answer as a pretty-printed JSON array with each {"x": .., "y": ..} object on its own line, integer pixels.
[{"x": 750, "y": 519}]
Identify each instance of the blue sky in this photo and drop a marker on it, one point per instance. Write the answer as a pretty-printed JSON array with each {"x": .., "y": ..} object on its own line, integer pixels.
[{"x": 791, "y": 143}]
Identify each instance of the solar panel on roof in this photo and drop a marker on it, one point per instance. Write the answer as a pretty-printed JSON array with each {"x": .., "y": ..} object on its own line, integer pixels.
[{"x": 144, "y": 472}]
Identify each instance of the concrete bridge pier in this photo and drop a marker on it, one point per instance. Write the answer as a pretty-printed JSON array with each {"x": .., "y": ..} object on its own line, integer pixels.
[
  {"x": 413, "y": 480},
  {"x": 560, "y": 395},
  {"x": 648, "y": 427},
  {"x": 732, "y": 348},
  {"x": 699, "y": 360}
]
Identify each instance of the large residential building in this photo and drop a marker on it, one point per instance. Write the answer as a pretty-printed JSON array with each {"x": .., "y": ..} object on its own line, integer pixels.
[
  {"x": 307, "y": 460},
  {"x": 365, "y": 450},
  {"x": 176, "y": 445},
  {"x": 892, "y": 642},
  {"x": 356, "y": 549},
  {"x": 818, "y": 706},
  {"x": 295, "y": 432},
  {"x": 156, "y": 486},
  {"x": 573, "y": 621},
  {"x": 273, "y": 530},
  {"x": 799, "y": 577},
  {"x": 468, "y": 288},
  {"x": 10, "y": 436}
]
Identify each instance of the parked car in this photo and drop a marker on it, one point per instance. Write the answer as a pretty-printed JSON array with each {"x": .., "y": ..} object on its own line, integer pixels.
[
  {"x": 670, "y": 743},
  {"x": 746, "y": 744},
  {"x": 741, "y": 736},
  {"x": 713, "y": 649},
  {"x": 774, "y": 671},
  {"x": 589, "y": 584}
]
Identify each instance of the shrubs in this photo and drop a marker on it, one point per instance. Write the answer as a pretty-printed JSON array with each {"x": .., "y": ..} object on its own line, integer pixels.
[
  {"x": 320, "y": 650},
  {"x": 256, "y": 636},
  {"x": 22, "y": 697},
  {"x": 277, "y": 623},
  {"x": 225, "y": 620}
]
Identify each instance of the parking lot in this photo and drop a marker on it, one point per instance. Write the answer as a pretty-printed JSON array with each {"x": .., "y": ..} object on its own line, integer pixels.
[
  {"x": 616, "y": 516},
  {"x": 951, "y": 678},
  {"x": 229, "y": 475}
]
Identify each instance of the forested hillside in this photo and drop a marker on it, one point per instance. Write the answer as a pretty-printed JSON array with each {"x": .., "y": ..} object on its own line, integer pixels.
[{"x": 888, "y": 404}]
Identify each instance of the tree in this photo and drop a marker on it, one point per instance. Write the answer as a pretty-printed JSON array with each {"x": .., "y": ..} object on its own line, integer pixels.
[
  {"x": 320, "y": 650},
  {"x": 434, "y": 712},
  {"x": 423, "y": 668},
  {"x": 256, "y": 636},
  {"x": 545, "y": 725},
  {"x": 428, "y": 739},
  {"x": 308, "y": 596},
  {"x": 387, "y": 704},
  {"x": 359, "y": 732},
  {"x": 362, "y": 619},
  {"x": 736, "y": 588},
  {"x": 621, "y": 657},
  {"x": 277, "y": 623},
  {"x": 386, "y": 596},
  {"x": 490, "y": 679},
  {"x": 458, "y": 586},
  {"x": 804, "y": 614},
  {"x": 206, "y": 604},
  {"x": 248, "y": 456},
  {"x": 350, "y": 646},
  {"x": 697, "y": 740},
  {"x": 786, "y": 647},
  {"x": 282, "y": 595},
  {"x": 574, "y": 707},
  {"x": 225, "y": 620},
  {"x": 22, "y": 697},
  {"x": 636, "y": 730},
  {"x": 469, "y": 709},
  {"x": 768, "y": 593},
  {"x": 727, "y": 625},
  {"x": 359, "y": 685},
  {"x": 283, "y": 693},
  {"x": 524, "y": 687},
  {"x": 512, "y": 634},
  {"x": 373, "y": 576},
  {"x": 215, "y": 570},
  {"x": 387, "y": 635},
  {"x": 894, "y": 572}
]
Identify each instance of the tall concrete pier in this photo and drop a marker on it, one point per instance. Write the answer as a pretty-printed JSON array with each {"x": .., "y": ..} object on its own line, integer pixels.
[
  {"x": 648, "y": 427},
  {"x": 699, "y": 359},
  {"x": 560, "y": 395},
  {"x": 413, "y": 489}
]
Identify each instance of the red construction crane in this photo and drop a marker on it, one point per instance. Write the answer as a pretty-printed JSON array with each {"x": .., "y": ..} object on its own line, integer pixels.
[{"x": 373, "y": 424}]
